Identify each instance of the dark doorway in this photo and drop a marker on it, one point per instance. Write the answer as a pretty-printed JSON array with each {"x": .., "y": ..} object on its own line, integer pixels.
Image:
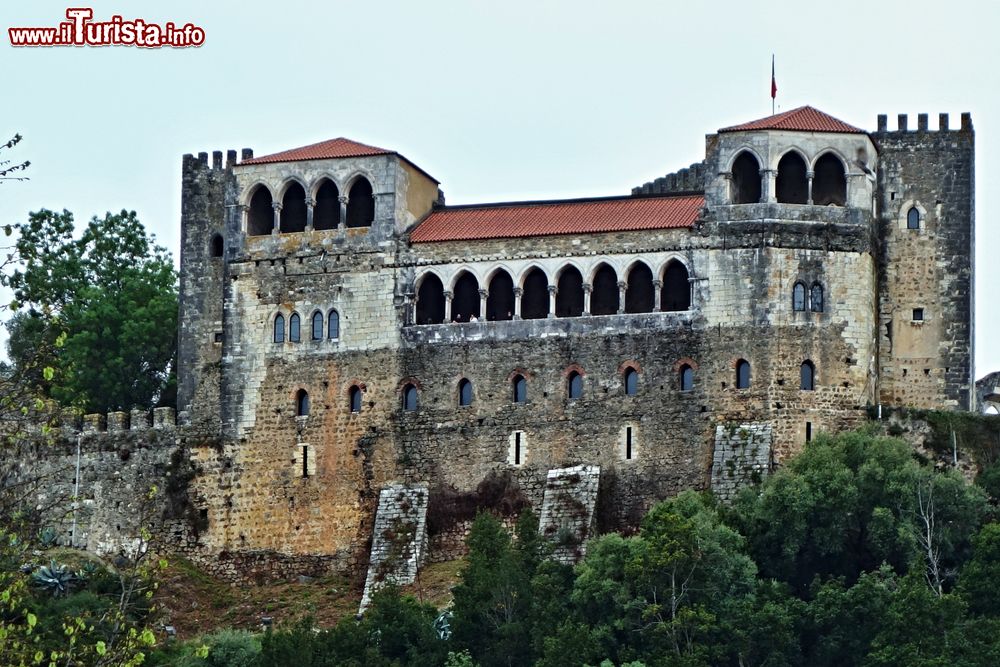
[
  {"x": 500, "y": 299},
  {"x": 676, "y": 290},
  {"x": 360, "y": 204},
  {"x": 260, "y": 218},
  {"x": 535, "y": 300},
  {"x": 639, "y": 295},
  {"x": 829, "y": 181},
  {"x": 326, "y": 212},
  {"x": 569, "y": 296},
  {"x": 293, "y": 209},
  {"x": 465, "y": 299},
  {"x": 604, "y": 298},
  {"x": 746, "y": 179},
  {"x": 430, "y": 300},
  {"x": 792, "y": 186}
]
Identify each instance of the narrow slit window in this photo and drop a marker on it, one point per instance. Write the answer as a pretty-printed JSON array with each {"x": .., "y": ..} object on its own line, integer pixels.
[
  {"x": 742, "y": 374},
  {"x": 517, "y": 448},
  {"x": 305, "y": 460},
  {"x": 333, "y": 325},
  {"x": 317, "y": 326},
  {"x": 628, "y": 443},
  {"x": 631, "y": 382},
  {"x": 520, "y": 389},
  {"x": 687, "y": 378},
  {"x": 575, "y": 385},
  {"x": 279, "y": 328},
  {"x": 464, "y": 393},
  {"x": 809, "y": 431}
]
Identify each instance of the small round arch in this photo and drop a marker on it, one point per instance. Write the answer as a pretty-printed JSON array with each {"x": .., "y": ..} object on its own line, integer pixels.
[
  {"x": 464, "y": 392},
  {"x": 742, "y": 374},
  {"x": 302, "y": 403},
  {"x": 216, "y": 246},
  {"x": 409, "y": 397},
  {"x": 807, "y": 376},
  {"x": 354, "y": 395}
]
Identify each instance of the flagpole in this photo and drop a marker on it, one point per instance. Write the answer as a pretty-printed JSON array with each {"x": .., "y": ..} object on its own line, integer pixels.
[{"x": 773, "y": 86}]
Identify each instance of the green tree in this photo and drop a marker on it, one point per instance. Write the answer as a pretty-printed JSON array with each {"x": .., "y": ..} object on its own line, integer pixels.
[
  {"x": 977, "y": 583},
  {"x": 113, "y": 291}
]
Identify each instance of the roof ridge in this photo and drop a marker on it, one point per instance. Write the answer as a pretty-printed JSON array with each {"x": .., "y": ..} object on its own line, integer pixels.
[
  {"x": 805, "y": 118},
  {"x": 564, "y": 202}
]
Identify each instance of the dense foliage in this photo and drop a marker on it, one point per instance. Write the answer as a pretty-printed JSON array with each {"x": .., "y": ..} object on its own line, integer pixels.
[
  {"x": 99, "y": 310},
  {"x": 855, "y": 553}
]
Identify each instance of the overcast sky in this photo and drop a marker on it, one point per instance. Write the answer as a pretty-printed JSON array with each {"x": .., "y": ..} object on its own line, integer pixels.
[{"x": 498, "y": 100}]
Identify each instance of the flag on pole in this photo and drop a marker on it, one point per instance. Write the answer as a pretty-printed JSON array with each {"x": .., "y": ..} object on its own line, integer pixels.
[{"x": 774, "y": 83}]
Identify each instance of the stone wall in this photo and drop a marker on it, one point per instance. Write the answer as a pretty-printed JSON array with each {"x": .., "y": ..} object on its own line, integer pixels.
[
  {"x": 399, "y": 538},
  {"x": 568, "y": 519},
  {"x": 742, "y": 457}
]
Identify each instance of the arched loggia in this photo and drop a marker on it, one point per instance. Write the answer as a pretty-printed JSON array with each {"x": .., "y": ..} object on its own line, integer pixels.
[
  {"x": 639, "y": 294},
  {"x": 465, "y": 298},
  {"x": 604, "y": 298},
  {"x": 500, "y": 297},
  {"x": 430, "y": 300},
  {"x": 675, "y": 293},
  {"x": 569, "y": 295}
]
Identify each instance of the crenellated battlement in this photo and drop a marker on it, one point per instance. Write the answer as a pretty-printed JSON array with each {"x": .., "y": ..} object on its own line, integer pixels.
[
  {"x": 200, "y": 161},
  {"x": 689, "y": 179},
  {"x": 903, "y": 123},
  {"x": 137, "y": 420}
]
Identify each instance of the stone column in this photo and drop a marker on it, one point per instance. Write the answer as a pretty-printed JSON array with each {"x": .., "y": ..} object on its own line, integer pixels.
[
  {"x": 483, "y": 294},
  {"x": 343, "y": 212},
  {"x": 310, "y": 203},
  {"x": 277, "y": 217},
  {"x": 621, "y": 296},
  {"x": 244, "y": 210},
  {"x": 587, "y": 289},
  {"x": 728, "y": 176},
  {"x": 809, "y": 186},
  {"x": 518, "y": 293},
  {"x": 768, "y": 184},
  {"x": 552, "y": 300},
  {"x": 447, "y": 306},
  {"x": 657, "y": 289}
]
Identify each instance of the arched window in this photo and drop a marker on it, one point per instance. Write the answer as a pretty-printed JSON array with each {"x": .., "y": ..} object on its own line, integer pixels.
[
  {"x": 464, "y": 392},
  {"x": 746, "y": 179},
  {"x": 430, "y": 300},
  {"x": 317, "y": 326},
  {"x": 410, "y": 397},
  {"x": 360, "y": 204},
  {"x": 799, "y": 297},
  {"x": 294, "y": 327},
  {"x": 355, "y": 398},
  {"x": 293, "y": 209},
  {"x": 792, "y": 186},
  {"x": 574, "y": 385},
  {"x": 569, "y": 296},
  {"x": 217, "y": 246},
  {"x": 807, "y": 376},
  {"x": 687, "y": 378},
  {"x": 742, "y": 374},
  {"x": 301, "y": 403},
  {"x": 326, "y": 211},
  {"x": 913, "y": 218},
  {"x": 535, "y": 299},
  {"x": 676, "y": 290},
  {"x": 829, "y": 181},
  {"x": 465, "y": 299},
  {"x": 500, "y": 297},
  {"x": 279, "y": 328},
  {"x": 260, "y": 217},
  {"x": 333, "y": 325},
  {"x": 519, "y": 387},
  {"x": 604, "y": 297},
  {"x": 639, "y": 293},
  {"x": 631, "y": 381},
  {"x": 816, "y": 298}
]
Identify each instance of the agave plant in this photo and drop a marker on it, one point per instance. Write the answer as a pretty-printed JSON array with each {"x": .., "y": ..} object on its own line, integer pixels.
[
  {"x": 54, "y": 577},
  {"x": 48, "y": 537}
]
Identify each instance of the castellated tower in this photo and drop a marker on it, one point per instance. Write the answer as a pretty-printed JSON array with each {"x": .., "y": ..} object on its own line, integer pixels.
[{"x": 926, "y": 211}]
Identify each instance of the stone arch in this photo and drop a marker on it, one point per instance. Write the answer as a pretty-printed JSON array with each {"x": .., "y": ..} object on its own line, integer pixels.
[
  {"x": 829, "y": 180},
  {"x": 302, "y": 403},
  {"x": 569, "y": 292},
  {"x": 278, "y": 328},
  {"x": 605, "y": 298},
  {"x": 430, "y": 299},
  {"x": 742, "y": 374},
  {"x": 465, "y": 297},
  {"x": 316, "y": 325},
  {"x": 260, "y": 211},
  {"x": 807, "y": 376},
  {"x": 326, "y": 210},
  {"x": 798, "y": 296},
  {"x": 639, "y": 293},
  {"x": 500, "y": 302},
  {"x": 293, "y": 207},
  {"x": 360, "y": 202},
  {"x": 675, "y": 293},
  {"x": 745, "y": 172},
  {"x": 535, "y": 295},
  {"x": 465, "y": 393},
  {"x": 792, "y": 184}
]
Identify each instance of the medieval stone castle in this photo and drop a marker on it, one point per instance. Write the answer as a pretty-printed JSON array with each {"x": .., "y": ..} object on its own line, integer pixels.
[{"x": 351, "y": 346}]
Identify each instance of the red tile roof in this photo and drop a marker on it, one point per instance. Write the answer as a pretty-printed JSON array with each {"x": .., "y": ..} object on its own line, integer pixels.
[
  {"x": 803, "y": 119},
  {"x": 582, "y": 216},
  {"x": 332, "y": 148}
]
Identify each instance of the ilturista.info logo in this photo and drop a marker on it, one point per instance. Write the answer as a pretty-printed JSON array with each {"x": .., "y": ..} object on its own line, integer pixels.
[{"x": 81, "y": 30}]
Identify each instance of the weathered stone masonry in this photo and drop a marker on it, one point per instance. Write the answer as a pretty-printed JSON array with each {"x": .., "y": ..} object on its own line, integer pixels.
[{"x": 277, "y": 492}]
